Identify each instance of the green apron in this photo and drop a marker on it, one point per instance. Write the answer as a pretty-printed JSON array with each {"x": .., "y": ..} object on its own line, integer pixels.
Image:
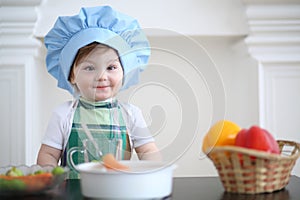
[{"x": 107, "y": 126}]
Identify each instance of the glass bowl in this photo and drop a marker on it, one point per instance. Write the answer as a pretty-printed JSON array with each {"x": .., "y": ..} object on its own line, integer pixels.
[{"x": 29, "y": 182}]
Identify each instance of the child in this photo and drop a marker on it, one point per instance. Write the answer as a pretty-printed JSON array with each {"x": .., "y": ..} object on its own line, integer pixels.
[{"x": 93, "y": 55}]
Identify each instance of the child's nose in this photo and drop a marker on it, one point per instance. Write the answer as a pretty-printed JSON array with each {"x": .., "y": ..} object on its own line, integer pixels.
[{"x": 101, "y": 75}]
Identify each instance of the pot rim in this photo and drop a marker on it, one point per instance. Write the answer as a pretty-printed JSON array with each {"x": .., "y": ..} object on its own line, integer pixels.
[{"x": 151, "y": 167}]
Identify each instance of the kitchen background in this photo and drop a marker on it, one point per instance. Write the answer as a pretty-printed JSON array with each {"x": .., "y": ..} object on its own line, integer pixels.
[{"x": 232, "y": 59}]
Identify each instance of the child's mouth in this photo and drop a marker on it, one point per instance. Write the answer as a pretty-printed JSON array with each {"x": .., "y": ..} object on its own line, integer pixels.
[{"x": 102, "y": 87}]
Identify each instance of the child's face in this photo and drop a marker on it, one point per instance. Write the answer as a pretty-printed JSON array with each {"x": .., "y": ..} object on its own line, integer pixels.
[{"x": 99, "y": 76}]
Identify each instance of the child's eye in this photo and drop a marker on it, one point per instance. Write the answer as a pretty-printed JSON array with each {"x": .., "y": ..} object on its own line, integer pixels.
[
  {"x": 89, "y": 68},
  {"x": 112, "y": 67}
]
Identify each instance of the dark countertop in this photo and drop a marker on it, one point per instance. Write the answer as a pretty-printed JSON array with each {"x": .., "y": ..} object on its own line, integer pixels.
[{"x": 184, "y": 188}]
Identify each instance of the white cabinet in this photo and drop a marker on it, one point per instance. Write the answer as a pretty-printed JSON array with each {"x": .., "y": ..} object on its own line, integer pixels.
[
  {"x": 19, "y": 50},
  {"x": 274, "y": 41}
]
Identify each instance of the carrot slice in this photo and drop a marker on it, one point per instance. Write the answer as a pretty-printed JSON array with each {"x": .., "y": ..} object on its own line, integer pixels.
[
  {"x": 38, "y": 181},
  {"x": 33, "y": 182},
  {"x": 110, "y": 162}
]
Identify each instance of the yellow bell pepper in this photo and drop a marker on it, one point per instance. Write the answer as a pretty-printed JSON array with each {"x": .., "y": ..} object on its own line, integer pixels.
[{"x": 221, "y": 133}]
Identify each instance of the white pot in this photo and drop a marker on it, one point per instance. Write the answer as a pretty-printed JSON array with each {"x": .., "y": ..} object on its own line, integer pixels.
[{"x": 145, "y": 180}]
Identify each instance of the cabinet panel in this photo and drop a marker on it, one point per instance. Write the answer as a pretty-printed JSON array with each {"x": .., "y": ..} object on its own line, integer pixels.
[
  {"x": 12, "y": 146},
  {"x": 281, "y": 108}
]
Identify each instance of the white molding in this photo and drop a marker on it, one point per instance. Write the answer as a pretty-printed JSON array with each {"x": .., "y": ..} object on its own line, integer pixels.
[
  {"x": 19, "y": 50},
  {"x": 18, "y": 14},
  {"x": 272, "y": 74},
  {"x": 20, "y": 2},
  {"x": 274, "y": 36},
  {"x": 274, "y": 41},
  {"x": 280, "y": 109},
  {"x": 281, "y": 26},
  {"x": 266, "y": 2},
  {"x": 11, "y": 82},
  {"x": 17, "y": 29},
  {"x": 272, "y": 11},
  {"x": 274, "y": 31}
]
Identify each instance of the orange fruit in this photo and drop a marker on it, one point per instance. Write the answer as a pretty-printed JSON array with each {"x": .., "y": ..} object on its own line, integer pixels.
[{"x": 221, "y": 133}]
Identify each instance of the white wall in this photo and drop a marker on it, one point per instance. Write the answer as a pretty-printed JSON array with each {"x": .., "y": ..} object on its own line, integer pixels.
[
  {"x": 190, "y": 82},
  {"x": 190, "y": 17}
]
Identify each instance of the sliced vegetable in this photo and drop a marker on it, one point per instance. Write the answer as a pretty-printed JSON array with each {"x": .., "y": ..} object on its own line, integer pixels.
[
  {"x": 14, "y": 172},
  {"x": 38, "y": 172},
  {"x": 31, "y": 182},
  {"x": 14, "y": 184},
  {"x": 110, "y": 162}
]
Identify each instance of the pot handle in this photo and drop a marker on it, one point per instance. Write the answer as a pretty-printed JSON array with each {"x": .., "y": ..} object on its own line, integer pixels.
[{"x": 70, "y": 153}]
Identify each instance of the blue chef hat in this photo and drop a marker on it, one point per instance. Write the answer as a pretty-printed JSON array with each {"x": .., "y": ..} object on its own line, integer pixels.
[{"x": 97, "y": 24}]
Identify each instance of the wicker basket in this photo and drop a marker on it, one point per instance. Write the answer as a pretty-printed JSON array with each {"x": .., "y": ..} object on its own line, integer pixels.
[{"x": 249, "y": 171}]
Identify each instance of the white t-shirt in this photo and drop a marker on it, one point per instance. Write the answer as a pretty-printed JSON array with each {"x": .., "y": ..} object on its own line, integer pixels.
[{"x": 60, "y": 125}]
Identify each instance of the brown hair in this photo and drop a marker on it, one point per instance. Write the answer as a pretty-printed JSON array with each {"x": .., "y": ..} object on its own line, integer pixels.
[{"x": 82, "y": 53}]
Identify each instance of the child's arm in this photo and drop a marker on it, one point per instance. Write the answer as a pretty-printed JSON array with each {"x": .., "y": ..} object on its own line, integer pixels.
[
  {"x": 48, "y": 155},
  {"x": 148, "y": 151}
]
